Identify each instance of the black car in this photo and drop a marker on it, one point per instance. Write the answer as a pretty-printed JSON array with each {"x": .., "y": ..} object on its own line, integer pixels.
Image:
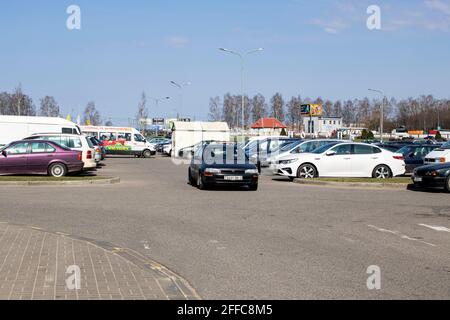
[
  {"x": 415, "y": 154},
  {"x": 433, "y": 176},
  {"x": 222, "y": 164},
  {"x": 160, "y": 146},
  {"x": 393, "y": 146}
]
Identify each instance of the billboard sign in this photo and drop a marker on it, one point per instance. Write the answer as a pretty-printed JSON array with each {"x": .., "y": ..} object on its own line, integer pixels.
[{"x": 313, "y": 110}]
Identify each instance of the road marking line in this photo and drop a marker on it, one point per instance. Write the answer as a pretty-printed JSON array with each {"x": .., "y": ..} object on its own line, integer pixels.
[
  {"x": 402, "y": 236},
  {"x": 436, "y": 228}
]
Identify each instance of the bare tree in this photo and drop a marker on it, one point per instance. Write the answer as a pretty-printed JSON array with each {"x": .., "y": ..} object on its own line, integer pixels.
[
  {"x": 259, "y": 107},
  {"x": 215, "y": 109},
  {"x": 142, "y": 113},
  {"x": 230, "y": 110},
  {"x": 91, "y": 115},
  {"x": 293, "y": 110},
  {"x": 277, "y": 103},
  {"x": 49, "y": 107},
  {"x": 21, "y": 104}
]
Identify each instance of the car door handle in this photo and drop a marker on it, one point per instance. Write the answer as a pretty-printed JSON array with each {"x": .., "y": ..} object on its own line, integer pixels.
[{"x": 347, "y": 158}]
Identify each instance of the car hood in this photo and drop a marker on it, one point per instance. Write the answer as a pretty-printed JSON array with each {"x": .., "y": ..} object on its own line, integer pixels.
[
  {"x": 435, "y": 167},
  {"x": 297, "y": 156},
  {"x": 230, "y": 166}
]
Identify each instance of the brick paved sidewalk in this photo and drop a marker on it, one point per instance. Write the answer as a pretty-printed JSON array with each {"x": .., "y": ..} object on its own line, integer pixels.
[{"x": 33, "y": 265}]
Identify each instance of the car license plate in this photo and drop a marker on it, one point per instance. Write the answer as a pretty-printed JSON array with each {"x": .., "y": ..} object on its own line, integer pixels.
[
  {"x": 233, "y": 178},
  {"x": 417, "y": 179}
]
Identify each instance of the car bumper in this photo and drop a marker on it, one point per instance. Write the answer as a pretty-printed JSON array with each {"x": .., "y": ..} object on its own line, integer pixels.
[
  {"x": 222, "y": 180},
  {"x": 75, "y": 167},
  {"x": 90, "y": 164},
  {"x": 432, "y": 182},
  {"x": 281, "y": 170}
]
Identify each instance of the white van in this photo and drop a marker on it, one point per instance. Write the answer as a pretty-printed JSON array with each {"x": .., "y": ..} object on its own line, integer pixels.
[
  {"x": 121, "y": 140},
  {"x": 73, "y": 142},
  {"x": 14, "y": 128}
]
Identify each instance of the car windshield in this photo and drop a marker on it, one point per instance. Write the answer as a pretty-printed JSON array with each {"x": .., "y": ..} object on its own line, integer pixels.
[
  {"x": 287, "y": 146},
  {"x": 324, "y": 148},
  {"x": 227, "y": 153}
]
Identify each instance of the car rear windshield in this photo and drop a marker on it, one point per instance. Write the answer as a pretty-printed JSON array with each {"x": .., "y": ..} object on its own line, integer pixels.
[
  {"x": 90, "y": 144},
  {"x": 446, "y": 145}
]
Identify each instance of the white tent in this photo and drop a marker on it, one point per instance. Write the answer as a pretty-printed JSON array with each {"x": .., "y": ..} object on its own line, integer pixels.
[{"x": 186, "y": 134}]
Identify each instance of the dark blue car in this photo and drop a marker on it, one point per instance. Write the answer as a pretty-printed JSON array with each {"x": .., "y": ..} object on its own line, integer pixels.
[{"x": 415, "y": 154}]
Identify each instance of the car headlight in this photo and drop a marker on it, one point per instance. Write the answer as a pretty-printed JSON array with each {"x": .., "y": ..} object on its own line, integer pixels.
[
  {"x": 287, "y": 161},
  {"x": 251, "y": 171},
  {"x": 212, "y": 170},
  {"x": 432, "y": 173}
]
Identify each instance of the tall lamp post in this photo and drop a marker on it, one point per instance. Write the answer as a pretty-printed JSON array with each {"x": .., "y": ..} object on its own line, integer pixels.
[
  {"x": 382, "y": 112},
  {"x": 157, "y": 100},
  {"x": 180, "y": 86},
  {"x": 242, "y": 58}
]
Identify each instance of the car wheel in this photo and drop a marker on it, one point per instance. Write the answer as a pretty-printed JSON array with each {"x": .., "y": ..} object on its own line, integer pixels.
[
  {"x": 190, "y": 178},
  {"x": 306, "y": 171},
  {"x": 382, "y": 172},
  {"x": 200, "y": 183},
  {"x": 147, "y": 154},
  {"x": 57, "y": 170},
  {"x": 447, "y": 184},
  {"x": 253, "y": 187}
]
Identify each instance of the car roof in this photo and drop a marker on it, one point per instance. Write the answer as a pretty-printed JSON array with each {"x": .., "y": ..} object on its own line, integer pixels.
[
  {"x": 35, "y": 141},
  {"x": 57, "y": 134}
]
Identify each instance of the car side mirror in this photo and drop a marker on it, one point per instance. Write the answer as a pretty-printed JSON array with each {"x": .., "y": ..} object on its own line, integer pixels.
[
  {"x": 331, "y": 153},
  {"x": 4, "y": 153},
  {"x": 411, "y": 155}
]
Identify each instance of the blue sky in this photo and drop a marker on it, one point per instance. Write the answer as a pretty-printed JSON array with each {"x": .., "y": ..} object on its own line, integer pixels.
[{"x": 313, "y": 48}]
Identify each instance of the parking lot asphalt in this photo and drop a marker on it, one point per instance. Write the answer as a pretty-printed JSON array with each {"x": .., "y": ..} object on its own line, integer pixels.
[{"x": 285, "y": 241}]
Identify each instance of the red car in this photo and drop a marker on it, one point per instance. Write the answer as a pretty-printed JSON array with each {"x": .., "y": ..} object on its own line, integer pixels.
[{"x": 39, "y": 157}]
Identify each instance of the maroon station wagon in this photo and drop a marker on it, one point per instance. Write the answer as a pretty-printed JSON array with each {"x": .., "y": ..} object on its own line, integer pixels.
[{"x": 39, "y": 157}]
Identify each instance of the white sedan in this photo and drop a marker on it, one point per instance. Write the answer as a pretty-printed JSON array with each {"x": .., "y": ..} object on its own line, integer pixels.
[
  {"x": 342, "y": 159},
  {"x": 439, "y": 155}
]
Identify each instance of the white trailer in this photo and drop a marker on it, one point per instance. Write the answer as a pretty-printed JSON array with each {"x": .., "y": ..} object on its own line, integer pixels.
[
  {"x": 13, "y": 128},
  {"x": 186, "y": 134}
]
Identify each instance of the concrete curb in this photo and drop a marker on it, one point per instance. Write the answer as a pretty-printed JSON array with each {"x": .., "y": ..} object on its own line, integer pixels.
[
  {"x": 112, "y": 180},
  {"x": 359, "y": 185}
]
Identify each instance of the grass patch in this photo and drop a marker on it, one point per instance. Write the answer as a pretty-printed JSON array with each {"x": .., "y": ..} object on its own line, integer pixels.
[
  {"x": 47, "y": 178},
  {"x": 367, "y": 180}
]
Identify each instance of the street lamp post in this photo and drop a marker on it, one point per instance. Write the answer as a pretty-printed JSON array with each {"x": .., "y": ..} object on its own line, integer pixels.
[
  {"x": 157, "y": 100},
  {"x": 242, "y": 58},
  {"x": 382, "y": 112},
  {"x": 181, "y": 87}
]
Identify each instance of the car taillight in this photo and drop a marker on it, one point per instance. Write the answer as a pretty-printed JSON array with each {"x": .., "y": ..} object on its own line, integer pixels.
[
  {"x": 89, "y": 154},
  {"x": 399, "y": 158},
  {"x": 80, "y": 156}
]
